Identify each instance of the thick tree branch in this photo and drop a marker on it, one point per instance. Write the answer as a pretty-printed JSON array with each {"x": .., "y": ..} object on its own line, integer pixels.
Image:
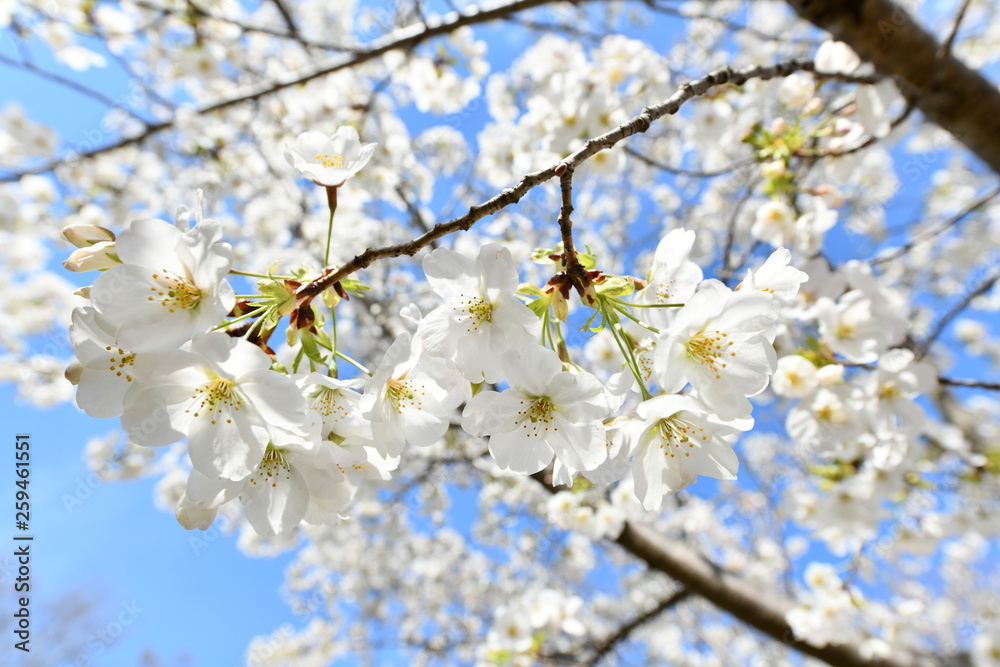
[
  {"x": 744, "y": 600},
  {"x": 949, "y": 93}
]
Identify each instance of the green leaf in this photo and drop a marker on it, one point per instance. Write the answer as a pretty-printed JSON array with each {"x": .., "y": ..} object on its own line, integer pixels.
[
  {"x": 308, "y": 341},
  {"x": 354, "y": 286},
  {"x": 617, "y": 286}
]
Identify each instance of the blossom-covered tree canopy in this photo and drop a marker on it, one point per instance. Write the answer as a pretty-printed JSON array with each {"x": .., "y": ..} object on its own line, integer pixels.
[{"x": 696, "y": 299}]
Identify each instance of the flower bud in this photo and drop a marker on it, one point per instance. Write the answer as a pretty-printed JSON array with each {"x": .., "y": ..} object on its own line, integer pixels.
[
  {"x": 84, "y": 236},
  {"x": 560, "y": 307},
  {"x": 842, "y": 127},
  {"x": 73, "y": 372},
  {"x": 92, "y": 258},
  {"x": 774, "y": 169},
  {"x": 779, "y": 127},
  {"x": 813, "y": 106},
  {"x": 830, "y": 374}
]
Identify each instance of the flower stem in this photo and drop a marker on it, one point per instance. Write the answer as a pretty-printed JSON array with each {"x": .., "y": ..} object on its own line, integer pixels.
[
  {"x": 614, "y": 324},
  {"x": 352, "y": 361},
  {"x": 333, "y": 342},
  {"x": 331, "y": 199},
  {"x": 624, "y": 311},
  {"x": 259, "y": 275}
]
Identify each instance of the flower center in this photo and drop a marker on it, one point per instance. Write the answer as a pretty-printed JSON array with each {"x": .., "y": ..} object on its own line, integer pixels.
[
  {"x": 844, "y": 331},
  {"x": 327, "y": 160},
  {"x": 676, "y": 436},
  {"x": 476, "y": 311},
  {"x": 270, "y": 469},
  {"x": 665, "y": 291},
  {"x": 120, "y": 361},
  {"x": 213, "y": 397},
  {"x": 708, "y": 348},
  {"x": 888, "y": 391},
  {"x": 327, "y": 402},
  {"x": 174, "y": 292},
  {"x": 405, "y": 394},
  {"x": 536, "y": 416}
]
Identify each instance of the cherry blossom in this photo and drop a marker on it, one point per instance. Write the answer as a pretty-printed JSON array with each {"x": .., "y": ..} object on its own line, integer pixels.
[
  {"x": 480, "y": 319},
  {"x": 546, "y": 412},
  {"x": 680, "y": 440},
  {"x": 403, "y": 403},
  {"x": 720, "y": 343},
  {"x": 222, "y": 396},
  {"x": 329, "y": 160},
  {"x": 169, "y": 287}
]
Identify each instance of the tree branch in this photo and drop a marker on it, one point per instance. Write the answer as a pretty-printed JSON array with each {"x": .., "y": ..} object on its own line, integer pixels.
[
  {"x": 404, "y": 38},
  {"x": 744, "y": 600},
  {"x": 623, "y": 633},
  {"x": 637, "y": 124},
  {"x": 948, "y": 92},
  {"x": 942, "y": 323},
  {"x": 978, "y": 384}
]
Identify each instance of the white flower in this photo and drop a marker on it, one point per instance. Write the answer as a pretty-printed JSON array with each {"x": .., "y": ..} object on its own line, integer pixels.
[
  {"x": 827, "y": 416},
  {"x": 276, "y": 495},
  {"x": 221, "y": 395},
  {"x": 403, "y": 404},
  {"x": 170, "y": 286},
  {"x": 294, "y": 474},
  {"x": 338, "y": 404},
  {"x": 720, "y": 342},
  {"x": 836, "y": 58},
  {"x": 329, "y": 160},
  {"x": 811, "y": 227},
  {"x": 511, "y": 631},
  {"x": 891, "y": 390},
  {"x": 545, "y": 412},
  {"x": 680, "y": 440},
  {"x": 853, "y": 328},
  {"x": 776, "y": 277},
  {"x": 796, "y": 90},
  {"x": 107, "y": 372},
  {"x": 774, "y": 223},
  {"x": 480, "y": 319},
  {"x": 673, "y": 278},
  {"x": 795, "y": 377}
]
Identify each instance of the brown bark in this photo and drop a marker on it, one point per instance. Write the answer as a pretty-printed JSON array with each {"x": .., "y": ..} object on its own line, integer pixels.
[
  {"x": 949, "y": 93},
  {"x": 744, "y": 600}
]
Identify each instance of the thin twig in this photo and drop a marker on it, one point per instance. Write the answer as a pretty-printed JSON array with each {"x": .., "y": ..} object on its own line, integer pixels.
[
  {"x": 946, "y": 47},
  {"x": 71, "y": 84},
  {"x": 955, "y": 310},
  {"x": 637, "y": 124},
  {"x": 943, "y": 226},
  {"x": 623, "y": 633},
  {"x": 978, "y": 384},
  {"x": 692, "y": 173},
  {"x": 565, "y": 223},
  {"x": 404, "y": 38}
]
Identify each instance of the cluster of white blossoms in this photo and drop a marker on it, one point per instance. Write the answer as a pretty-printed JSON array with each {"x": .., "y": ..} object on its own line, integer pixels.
[
  {"x": 155, "y": 349},
  {"x": 149, "y": 352}
]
